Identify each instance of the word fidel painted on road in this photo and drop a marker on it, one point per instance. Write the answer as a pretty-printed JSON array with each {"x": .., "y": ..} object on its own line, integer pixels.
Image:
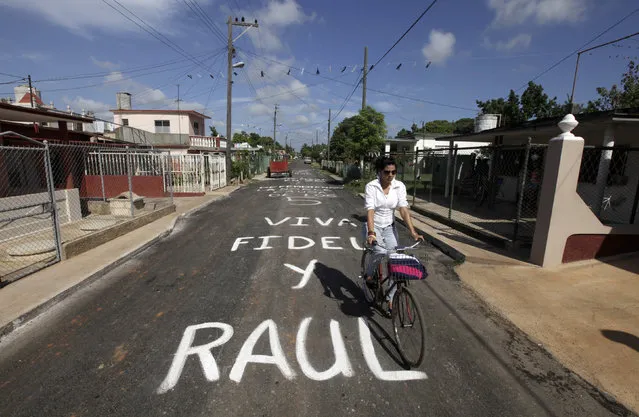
[
  {"x": 297, "y": 242},
  {"x": 341, "y": 366}
]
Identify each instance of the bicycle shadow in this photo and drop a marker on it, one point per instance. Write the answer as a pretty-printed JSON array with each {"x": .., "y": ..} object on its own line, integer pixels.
[{"x": 353, "y": 303}]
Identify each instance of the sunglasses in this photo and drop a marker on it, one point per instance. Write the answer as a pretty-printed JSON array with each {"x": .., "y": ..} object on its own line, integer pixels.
[{"x": 393, "y": 172}]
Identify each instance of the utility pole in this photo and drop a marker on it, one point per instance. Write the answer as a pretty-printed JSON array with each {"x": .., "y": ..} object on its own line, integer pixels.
[
  {"x": 229, "y": 87},
  {"x": 316, "y": 137},
  {"x": 364, "y": 77},
  {"x": 274, "y": 124},
  {"x": 30, "y": 91},
  {"x": 179, "y": 118},
  {"x": 328, "y": 137}
]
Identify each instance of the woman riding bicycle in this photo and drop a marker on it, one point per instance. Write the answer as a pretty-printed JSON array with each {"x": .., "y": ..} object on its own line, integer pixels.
[{"x": 383, "y": 196}]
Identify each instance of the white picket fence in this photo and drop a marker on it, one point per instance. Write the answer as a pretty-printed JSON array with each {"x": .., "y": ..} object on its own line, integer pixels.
[{"x": 189, "y": 173}]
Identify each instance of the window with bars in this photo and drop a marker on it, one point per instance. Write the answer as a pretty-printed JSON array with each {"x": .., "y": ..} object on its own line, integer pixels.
[{"x": 162, "y": 126}]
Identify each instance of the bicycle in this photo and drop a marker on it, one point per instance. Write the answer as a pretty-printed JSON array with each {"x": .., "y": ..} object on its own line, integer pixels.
[{"x": 405, "y": 313}]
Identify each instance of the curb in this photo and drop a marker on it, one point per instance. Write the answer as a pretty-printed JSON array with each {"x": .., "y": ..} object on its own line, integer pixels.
[
  {"x": 94, "y": 276},
  {"x": 444, "y": 247}
]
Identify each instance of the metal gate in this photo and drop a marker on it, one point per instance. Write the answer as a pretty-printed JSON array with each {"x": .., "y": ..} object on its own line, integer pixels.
[
  {"x": 187, "y": 173},
  {"x": 29, "y": 221},
  {"x": 215, "y": 170}
]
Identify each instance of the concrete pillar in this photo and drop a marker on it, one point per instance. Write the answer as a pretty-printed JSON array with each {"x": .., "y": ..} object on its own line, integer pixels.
[
  {"x": 604, "y": 168},
  {"x": 64, "y": 131},
  {"x": 449, "y": 167},
  {"x": 558, "y": 190}
]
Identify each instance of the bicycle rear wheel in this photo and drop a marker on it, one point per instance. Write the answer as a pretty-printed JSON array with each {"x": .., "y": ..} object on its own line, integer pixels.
[
  {"x": 370, "y": 292},
  {"x": 408, "y": 325}
]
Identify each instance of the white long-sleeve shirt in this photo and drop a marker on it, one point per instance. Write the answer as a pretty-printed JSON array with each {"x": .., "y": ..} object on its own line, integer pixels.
[{"x": 383, "y": 204}]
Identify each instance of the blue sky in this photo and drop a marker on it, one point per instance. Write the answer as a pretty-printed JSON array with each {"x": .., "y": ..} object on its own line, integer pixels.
[{"x": 478, "y": 49}]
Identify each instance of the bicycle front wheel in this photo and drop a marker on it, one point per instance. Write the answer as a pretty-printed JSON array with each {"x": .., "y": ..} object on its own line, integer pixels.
[
  {"x": 370, "y": 291},
  {"x": 408, "y": 325}
]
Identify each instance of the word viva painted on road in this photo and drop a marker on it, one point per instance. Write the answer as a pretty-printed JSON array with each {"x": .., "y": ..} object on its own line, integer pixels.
[
  {"x": 341, "y": 366},
  {"x": 297, "y": 242}
]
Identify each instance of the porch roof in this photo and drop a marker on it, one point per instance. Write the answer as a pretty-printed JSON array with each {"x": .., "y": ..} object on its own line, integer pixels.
[
  {"x": 548, "y": 126},
  {"x": 13, "y": 113}
]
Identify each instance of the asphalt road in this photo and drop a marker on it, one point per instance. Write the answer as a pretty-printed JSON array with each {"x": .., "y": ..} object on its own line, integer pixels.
[{"x": 251, "y": 308}]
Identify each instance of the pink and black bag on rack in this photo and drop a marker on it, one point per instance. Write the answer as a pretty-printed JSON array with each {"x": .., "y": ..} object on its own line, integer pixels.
[{"x": 402, "y": 266}]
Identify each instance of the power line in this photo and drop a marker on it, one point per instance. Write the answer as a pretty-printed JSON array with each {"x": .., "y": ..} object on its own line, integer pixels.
[
  {"x": 405, "y": 33},
  {"x": 11, "y": 75},
  {"x": 197, "y": 10},
  {"x": 553, "y": 66},
  {"x": 372, "y": 89},
  {"x": 159, "y": 36},
  {"x": 135, "y": 69}
]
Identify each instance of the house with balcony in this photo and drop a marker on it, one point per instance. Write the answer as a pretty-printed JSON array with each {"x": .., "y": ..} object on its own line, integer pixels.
[{"x": 181, "y": 131}]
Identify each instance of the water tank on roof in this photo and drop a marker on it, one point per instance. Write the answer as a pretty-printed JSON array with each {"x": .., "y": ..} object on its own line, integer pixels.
[
  {"x": 485, "y": 122},
  {"x": 123, "y": 101}
]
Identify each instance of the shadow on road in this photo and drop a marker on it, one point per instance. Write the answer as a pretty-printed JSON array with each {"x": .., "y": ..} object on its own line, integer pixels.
[
  {"x": 624, "y": 338},
  {"x": 353, "y": 303}
]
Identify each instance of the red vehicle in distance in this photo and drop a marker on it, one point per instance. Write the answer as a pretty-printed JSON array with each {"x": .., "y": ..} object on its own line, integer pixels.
[{"x": 278, "y": 166}]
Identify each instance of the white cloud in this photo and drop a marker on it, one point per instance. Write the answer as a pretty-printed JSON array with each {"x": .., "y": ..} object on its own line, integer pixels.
[
  {"x": 301, "y": 119},
  {"x": 82, "y": 17},
  {"x": 385, "y": 106},
  {"x": 516, "y": 12},
  {"x": 141, "y": 93},
  {"x": 104, "y": 64},
  {"x": 35, "y": 56},
  {"x": 272, "y": 18},
  {"x": 78, "y": 104},
  {"x": 440, "y": 46},
  {"x": 284, "y": 13},
  {"x": 282, "y": 93},
  {"x": 519, "y": 42},
  {"x": 259, "y": 109}
]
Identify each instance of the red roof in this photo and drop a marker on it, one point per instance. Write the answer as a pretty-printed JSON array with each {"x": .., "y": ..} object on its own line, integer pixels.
[{"x": 27, "y": 99}]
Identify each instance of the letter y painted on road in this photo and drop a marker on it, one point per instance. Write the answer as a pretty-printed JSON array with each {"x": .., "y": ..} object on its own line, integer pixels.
[{"x": 306, "y": 273}]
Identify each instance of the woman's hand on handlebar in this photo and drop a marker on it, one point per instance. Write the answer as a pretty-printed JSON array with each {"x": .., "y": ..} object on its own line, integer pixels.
[
  {"x": 416, "y": 236},
  {"x": 371, "y": 239}
]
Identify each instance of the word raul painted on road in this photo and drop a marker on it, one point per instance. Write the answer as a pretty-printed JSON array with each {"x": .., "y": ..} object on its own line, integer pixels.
[
  {"x": 268, "y": 328},
  {"x": 293, "y": 242}
]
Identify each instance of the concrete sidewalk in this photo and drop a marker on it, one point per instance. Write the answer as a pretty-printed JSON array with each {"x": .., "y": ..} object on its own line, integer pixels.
[
  {"x": 27, "y": 297},
  {"x": 585, "y": 314}
]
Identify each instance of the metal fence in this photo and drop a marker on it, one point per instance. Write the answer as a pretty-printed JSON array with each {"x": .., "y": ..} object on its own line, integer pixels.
[
  {"x": 53, "y": 193},
  {"x": 609, "y": 183},
  {"x": 493, "y": 190}
]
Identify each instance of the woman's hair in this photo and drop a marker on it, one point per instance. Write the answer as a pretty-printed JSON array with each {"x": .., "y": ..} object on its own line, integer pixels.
[{"x": 383, "y": 162}]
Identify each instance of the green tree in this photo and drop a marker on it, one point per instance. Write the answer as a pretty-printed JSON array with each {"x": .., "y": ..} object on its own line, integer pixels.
[
  {"x": 625, "y": 96},
  {"x": 438, "y": 126},
  {"x": 213, "y": 131},
  {"x": 254, "y": 139},
  {"x": 535, "y": 104},
  {"x": 354, "y": 137},
  {"x": 405, "y": 134},
  {"x": 240, "y": 137},
  {"x": 464, "y": 126}
]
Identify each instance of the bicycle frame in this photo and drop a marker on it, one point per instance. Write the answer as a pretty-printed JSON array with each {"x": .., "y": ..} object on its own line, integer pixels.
[{"x": 383, "y": 279}]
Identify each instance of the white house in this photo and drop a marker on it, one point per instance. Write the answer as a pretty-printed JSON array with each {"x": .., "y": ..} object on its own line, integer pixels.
[
  {"x": 182, "y": 130},
  {"x": 185, "y": 122}
]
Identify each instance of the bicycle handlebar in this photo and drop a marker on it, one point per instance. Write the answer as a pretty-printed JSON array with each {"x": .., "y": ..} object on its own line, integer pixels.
[{"x": 397, "y": 249}]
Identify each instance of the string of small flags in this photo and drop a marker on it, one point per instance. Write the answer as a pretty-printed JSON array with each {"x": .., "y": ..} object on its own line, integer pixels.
[
  {"x": 616, "y": 45},
  {"x": 338, "y": 68}
]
